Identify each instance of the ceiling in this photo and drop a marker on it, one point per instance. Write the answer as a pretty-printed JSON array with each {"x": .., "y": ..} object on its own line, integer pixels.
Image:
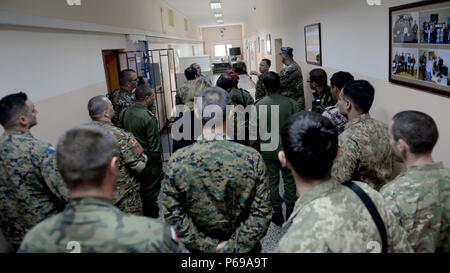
[{"x": 200, "y": 13}]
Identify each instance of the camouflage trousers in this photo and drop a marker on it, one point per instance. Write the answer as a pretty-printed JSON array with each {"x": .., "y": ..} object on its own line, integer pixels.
[
  {"x": 131, "y": 204},
  {"x": 150, "y": 180},
  {"x": 290, "y": 191}
]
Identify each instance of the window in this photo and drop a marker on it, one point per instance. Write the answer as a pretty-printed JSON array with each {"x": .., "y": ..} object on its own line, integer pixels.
[
  {"x": 220, "y": 51},
  {"x": 228, "y": 48}
]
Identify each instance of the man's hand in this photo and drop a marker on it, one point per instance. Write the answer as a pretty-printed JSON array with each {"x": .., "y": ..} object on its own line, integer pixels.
[{"x": 220, "y": 246}]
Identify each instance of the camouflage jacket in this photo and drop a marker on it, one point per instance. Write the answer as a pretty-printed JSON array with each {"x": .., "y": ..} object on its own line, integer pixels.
[
  {"x": 333, "y": 114},
  {"x": 292, "y": 83},
  {"x": 365, "y": 153},
  {"x": 420, "y": 198},
  {"x": 332, "y": 218},
  {"x": 322, "y": 101},
  {"x": 131, "y": 162},
  {"x": 139, "y": 121},
  {"x": 217, "y": 190},
  {"x": 189, "y": 91},
  {"x": 93, "y": 225},
  {"x": 31, "y": 187},
  {"x": 260, "y": 90},
  {"x": 240, "y": 96},
  {"x": 121, "y": 99}
]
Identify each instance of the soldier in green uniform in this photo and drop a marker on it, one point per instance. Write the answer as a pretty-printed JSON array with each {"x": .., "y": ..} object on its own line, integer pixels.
[
  {"x": 86, "y": 157},
  {"x": 291, "y": 78},
  {"x": 420, "y": 197},
  {"x": 132, "y": 160},
  {"x": 123, "y": 97},
  {"x": 216, "y": 192},
  {"x": 31, "y": 188},
  {"x": 264, "y": 67},
  {"x": 239, "y": 98},
  {"x": 286, "y": 107},
  {"x": 337, "y": 81},
  {"x": 329, "y": 217},
  {"x": 139, "y": 121},
  {"x": 322, "y": 92},
  {"x": 365, "y": 154}
]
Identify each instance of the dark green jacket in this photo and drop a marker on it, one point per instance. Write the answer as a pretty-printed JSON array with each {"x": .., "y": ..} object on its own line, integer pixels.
[{"x": 138, "y": 120}]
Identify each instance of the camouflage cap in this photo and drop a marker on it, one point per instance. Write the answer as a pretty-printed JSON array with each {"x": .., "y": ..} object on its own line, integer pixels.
[{"x": 287, "y": 51}]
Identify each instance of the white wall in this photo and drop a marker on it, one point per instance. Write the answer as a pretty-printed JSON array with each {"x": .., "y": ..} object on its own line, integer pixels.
[{"x": 355, "y": 38}]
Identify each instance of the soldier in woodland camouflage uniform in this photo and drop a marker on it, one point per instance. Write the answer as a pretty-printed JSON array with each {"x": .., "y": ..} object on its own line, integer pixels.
[
  {"x": 322, "y": 96},
  {"x": 291, "y": 78},
  {"x": 131, "y": 158},
  {"x": 337, "y": 81},
  {"x": 90, "y": 223},
  {"x": 123, "y": 97},
  {"x": 365, "y": 154},
  {"x": 328, "y": 216},
  {"x": 420, "y": 198},
  {"x": 31, "y": 188},
  {"x": 216, "y": 192}
]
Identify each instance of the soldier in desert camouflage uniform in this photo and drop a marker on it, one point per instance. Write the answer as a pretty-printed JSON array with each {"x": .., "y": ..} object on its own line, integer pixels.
[
  {"x": 31, "y": 188},
  {"x": 131, "y": 158},
  {"x": 291, "y": 78},
  {"x": 420, "y": 198},
  {"x": 90, "y": 223},
  {"x": 191, "y": 89},
  {"x": 123, "y": 97},
  {"x": 216, "y": 192},
  {"x": 328, "y": 216},
  {"x": 337, "y": 82},
  {"x": 365, "y": 154}
]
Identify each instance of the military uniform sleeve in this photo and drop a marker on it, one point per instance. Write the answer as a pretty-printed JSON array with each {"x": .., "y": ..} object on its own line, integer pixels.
[
  {"x": 52, "y": 177},
  {"x": 171, "y": 243},
  {"x": 175, "y": 215},
  {"x": 255, "y": 226},
  {"x": 389, "y": 195},
  {"x": 152, "y": 132},
  {"x": 133, "y": 153},
  {"x": 347, "y": 162}
]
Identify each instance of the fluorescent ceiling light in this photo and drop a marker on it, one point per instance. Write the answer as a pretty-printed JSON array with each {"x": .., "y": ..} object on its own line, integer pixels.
[
  {"x": 218, "y": 14},
  {"x": 215, "y": 5},
  {"x": 220, "y": 21}
]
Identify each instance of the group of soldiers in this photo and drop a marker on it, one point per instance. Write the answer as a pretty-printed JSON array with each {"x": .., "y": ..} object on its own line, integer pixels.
[
  {"x": 404, "y": 63},
  {"x": 97, "y": 191}
]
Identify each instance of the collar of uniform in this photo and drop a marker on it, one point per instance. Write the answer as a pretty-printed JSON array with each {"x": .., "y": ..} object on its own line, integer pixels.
[
  {"x": 325, "y": 91},
  {"x": 83, "y": 202},
  {"x": 427, "y": 167},
  {"x": 357, "y": 120},
  {"x": 19, "y": 133},
  {"x": 316, "y": 192},
  {"x": 100, "y": 122},
  {"x": 137, "y": 105}
]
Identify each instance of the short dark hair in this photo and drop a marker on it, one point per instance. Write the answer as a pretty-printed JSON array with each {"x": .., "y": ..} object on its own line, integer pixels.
[
  {"x": 272, "y": 82},
  {"x": 339, "y": 79},
  {"x": 318, "y": 76},
  {"x": 142, "y": 91},
  {"x": 310, "y": 143},
  {"x": 417, "y": 129},
  {"x": 361, "y": 93},
  {"x": 190, "y": 73},
  {"x": 213, "y": 96},
  {"x": 83, "y": 154},
  {"x": 11, "y": 108},
  {"x": 225, "y": 81},
  {"x": 125, "y": 76},
  {"x": 269, "y": 63},
  {"x": 96, "y": 106}
]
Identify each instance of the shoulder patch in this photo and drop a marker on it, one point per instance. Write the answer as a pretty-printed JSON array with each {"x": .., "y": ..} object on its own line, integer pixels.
[
  {"x": 51, "y": 150},
  {"x": 138, "y": 149},
  {"x": 133, "y": 142}
]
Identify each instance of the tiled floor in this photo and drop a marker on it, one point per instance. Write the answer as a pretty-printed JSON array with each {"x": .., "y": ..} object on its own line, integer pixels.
[{"x": 274, "y": 234}]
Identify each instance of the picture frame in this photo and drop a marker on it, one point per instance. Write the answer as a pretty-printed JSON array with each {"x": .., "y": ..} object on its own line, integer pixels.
[
  {"x": 313, "y": 44},
  {"x": 268, "y": 44},
  {"x": 419, "y": 46}
]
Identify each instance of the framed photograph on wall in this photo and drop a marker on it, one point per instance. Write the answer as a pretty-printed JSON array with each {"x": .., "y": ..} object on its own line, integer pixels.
[
  {"x": 268, "y": 44},
  {"x": 419, "y": 46},
  {"x": 313, "y": 44}
]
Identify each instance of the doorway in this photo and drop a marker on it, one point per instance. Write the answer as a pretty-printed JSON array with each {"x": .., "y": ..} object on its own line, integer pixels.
[
  {"x": 111, "y": 66},
  {"x": 279, "y": 64}
]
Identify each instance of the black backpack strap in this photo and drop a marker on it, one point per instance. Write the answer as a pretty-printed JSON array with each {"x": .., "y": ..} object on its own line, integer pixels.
[{"x": 372, "y": 210}]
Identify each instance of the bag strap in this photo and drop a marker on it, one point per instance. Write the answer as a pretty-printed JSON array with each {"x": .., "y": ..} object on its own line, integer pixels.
[{"x": 372, "y": 210}]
